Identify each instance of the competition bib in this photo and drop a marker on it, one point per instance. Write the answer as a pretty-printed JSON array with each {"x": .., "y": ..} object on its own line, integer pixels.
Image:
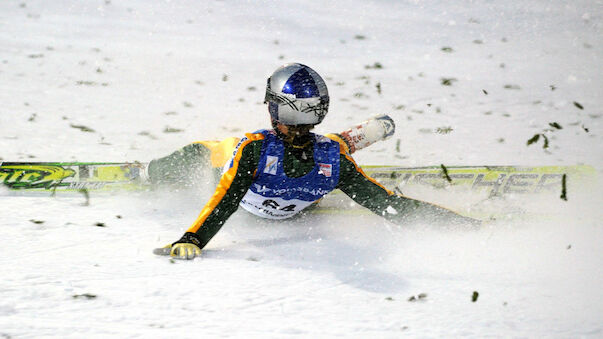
[{"x": 274, "y": 195}]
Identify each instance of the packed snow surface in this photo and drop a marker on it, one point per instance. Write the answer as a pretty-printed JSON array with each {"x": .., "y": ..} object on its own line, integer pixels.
[{"x": 468, "y": 83}]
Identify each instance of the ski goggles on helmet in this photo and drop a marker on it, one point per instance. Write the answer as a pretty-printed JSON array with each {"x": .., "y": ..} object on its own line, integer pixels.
[{"x": 290, "y": 106}]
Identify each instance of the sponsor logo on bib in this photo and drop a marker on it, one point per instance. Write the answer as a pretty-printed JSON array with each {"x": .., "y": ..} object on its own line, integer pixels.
[
  {"x": 271, "y": 165},
  {"x": 325, "y": 169}
]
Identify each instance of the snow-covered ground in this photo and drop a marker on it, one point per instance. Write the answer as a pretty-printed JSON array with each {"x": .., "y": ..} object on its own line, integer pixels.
[{"x": 151, "y": 76}]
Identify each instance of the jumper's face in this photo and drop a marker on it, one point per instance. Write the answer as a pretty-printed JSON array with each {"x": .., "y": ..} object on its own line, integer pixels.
[
  {"x": 295, "y": 131},
  {"x": 298, "y": 135}
]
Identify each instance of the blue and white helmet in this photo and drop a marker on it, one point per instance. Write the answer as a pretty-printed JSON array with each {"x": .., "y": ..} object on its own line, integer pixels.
[{"x": 297, "y": 95}]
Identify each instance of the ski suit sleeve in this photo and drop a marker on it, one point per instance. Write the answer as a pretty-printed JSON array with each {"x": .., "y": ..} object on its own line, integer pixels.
[
  {"x": 180, "y": 167},
  {"x": 192, "y": 163},
  {"x": 230, "y": 190},
  {"x": 397, "y": 208}
]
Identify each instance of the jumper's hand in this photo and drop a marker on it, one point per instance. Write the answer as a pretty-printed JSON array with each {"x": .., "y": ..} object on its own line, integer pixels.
[{"x": 183, "y": 251}]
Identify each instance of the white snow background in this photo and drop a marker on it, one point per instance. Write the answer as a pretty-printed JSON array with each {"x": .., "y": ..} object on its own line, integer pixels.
[{"x": 151, "y": 76}]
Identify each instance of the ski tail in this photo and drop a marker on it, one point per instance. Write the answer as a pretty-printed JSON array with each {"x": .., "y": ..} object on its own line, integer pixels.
[{"x": 73, "y": 176}]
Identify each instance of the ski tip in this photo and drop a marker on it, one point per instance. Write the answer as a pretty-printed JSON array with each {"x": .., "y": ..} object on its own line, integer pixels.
[{"x": 162, "y": 251}]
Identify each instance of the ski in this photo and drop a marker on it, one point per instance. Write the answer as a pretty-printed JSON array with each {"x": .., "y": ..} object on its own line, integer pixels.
[
  {"x": 72, "y": 176},
  {"x": 493, "y": 180},
  {"x": 25, "y": 177}
]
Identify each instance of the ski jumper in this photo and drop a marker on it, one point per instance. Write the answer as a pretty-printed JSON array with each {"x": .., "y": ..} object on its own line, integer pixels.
[
  {"x": 252, "y": 163},
  {"x": 275, "y": 195}
]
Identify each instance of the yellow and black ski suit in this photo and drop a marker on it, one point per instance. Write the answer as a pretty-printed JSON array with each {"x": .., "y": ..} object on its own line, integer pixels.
[{"x": 234, "y": 183}]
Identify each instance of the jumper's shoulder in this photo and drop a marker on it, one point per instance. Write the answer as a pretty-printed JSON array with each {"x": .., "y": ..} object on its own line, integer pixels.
[
  {"x": 334, "y": 140},
  {"x": 257, "y": 135},
  {"x": 251, "y": 142},
  {"x": 253, "y": 139},
  {"x": 343, "y": 146},
  {"x": 249, "y": 147}
]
